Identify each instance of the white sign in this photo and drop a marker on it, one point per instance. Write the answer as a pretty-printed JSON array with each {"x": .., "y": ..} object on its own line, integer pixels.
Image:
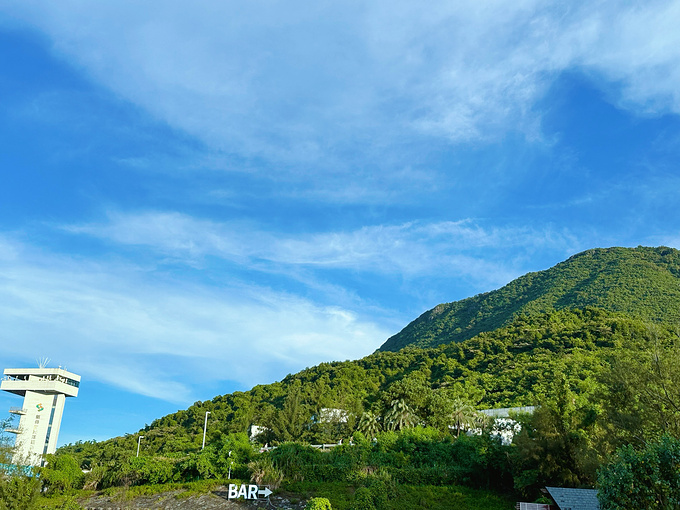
[{"x": 247, "y": 491}]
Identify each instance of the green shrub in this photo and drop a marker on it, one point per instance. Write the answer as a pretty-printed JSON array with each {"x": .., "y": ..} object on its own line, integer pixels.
[
  {"x": 363, "y": 499},
  {"x": 264, "y": 472},
  {"x": 149, "y": 470},
  {"x": 298, "y": 462},
  {"x": 61, "y": 474},
  {"x": 199, "y": 465},
  {"x": 95, "y": 478},
  {"x": 69, "y": 503},
  {"x": 18, "y": 492},
  {"x": 318, "y": 504},
  {"x": 379, "y": 492}
]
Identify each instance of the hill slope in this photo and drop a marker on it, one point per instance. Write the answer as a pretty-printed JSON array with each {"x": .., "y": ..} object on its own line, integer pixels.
[
  {"x": 511, "y": 366},
  {"x": 642, "y": 282}
]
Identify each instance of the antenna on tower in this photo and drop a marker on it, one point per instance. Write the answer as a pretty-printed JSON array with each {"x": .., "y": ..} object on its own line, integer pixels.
[{"x": 42, "y": 362}]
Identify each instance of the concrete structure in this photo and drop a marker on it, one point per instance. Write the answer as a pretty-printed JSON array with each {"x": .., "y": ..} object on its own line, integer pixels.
[{"x": 44, "y": 391}]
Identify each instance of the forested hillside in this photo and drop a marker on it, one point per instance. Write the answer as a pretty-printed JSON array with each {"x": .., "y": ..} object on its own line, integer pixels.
[
  {"x": 601, "y": 380},
  {"x": 604, "y": 383},
  {"x": 641, "y": 282},
  {"x": 514, "y": 365}
]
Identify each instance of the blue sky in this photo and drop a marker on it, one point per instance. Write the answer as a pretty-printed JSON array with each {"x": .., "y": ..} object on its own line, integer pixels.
[{"x": 197, "y": 199}]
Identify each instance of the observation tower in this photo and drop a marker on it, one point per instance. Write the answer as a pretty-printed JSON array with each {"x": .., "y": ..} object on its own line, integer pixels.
[{"x": 44, "y": 391}]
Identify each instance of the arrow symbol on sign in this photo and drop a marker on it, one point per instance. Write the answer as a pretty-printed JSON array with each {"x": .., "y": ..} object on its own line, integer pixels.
[{"x": 264, "y": 492}]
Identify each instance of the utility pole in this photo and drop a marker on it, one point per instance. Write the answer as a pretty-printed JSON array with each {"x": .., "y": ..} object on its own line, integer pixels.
[
  {"x": 139, "y": 442},
  {"x": 205, "y": 428}
]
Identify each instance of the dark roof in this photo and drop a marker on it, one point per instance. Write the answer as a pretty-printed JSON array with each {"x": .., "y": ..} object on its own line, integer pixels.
[{"x": 574, "y": 499}]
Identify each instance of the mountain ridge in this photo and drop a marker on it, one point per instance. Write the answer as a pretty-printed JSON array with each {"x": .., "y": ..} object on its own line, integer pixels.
[{"x": 643, "y": 282}]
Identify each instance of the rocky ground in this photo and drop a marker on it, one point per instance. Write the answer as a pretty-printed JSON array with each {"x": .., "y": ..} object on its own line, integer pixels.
[{"x": 175, "y": 500}]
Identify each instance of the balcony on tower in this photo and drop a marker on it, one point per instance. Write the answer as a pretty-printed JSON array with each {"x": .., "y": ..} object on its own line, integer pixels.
[{"x": 40, "y": 380}]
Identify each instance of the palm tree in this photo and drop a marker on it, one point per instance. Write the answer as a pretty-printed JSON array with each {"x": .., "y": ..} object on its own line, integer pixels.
[
  {"x": 462, "y": 415},
  {"x": 400, "y": 416},
  {"x": 369, "y": 424},
  {"x": 481, "y": 420}
]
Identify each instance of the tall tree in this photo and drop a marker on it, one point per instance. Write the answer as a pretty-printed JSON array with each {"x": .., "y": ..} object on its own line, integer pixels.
[
  {"x": 649, "y": 478},
  {"x": 400, "y": 415},
  {"x": 462, "y": 415},
  {"x": 290, "y": 423},
  {"x": 369, "y": 424},
  {"x": 555, "y": 444},
  {"x": 642, "y": 386}
]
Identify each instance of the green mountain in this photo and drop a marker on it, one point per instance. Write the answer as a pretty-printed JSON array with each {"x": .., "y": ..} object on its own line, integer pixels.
[
  {"x": 641, "y": 282},
  {"x": 601, "y": 378},
  {"x": 512, "y": 366}
]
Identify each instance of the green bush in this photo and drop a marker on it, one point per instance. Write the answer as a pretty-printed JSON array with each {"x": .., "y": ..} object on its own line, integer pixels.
[
  {"x": 61, "y": 474},
  {"x": 264, "y": 472},
  {"x": 299, "y": 463},
  {"x": 63, "y": 503},
  {"x": 198, "y": 465},
  {"x": 379, "y": 492},
  {"x": 318, "y": 504},
  {"x": 363, "y": 499},
  {"x": 235, "y": 452},
  {"x": 18, "y": 492}
]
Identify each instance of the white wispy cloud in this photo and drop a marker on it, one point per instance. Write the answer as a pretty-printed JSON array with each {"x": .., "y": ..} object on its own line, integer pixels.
[
  {"x": 118, "y": 324},
  {"x": 310, "y": 85},
  {"x": 131, "y": 326},
  {"x": 637, "y": 49},
  {"x": 411, "y": 250}
]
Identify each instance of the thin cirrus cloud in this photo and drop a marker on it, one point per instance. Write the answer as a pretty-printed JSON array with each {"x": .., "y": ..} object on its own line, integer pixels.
[
  {"x": 413, "y": 249},
  {"x": 300, "y": 84},
  {"x": 114, "y": 321}
]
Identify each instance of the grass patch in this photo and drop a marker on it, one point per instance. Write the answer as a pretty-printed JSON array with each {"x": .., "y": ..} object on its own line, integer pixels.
[
  {"x": 340, "y": 494},
  {"x": 430, "y": 497},
  {"x": 413, "y": 497},
  {"x": 60, "y": 501}
]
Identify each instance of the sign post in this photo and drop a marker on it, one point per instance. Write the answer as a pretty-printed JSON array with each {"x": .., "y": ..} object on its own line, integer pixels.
[{"x": 247, "y": 491}]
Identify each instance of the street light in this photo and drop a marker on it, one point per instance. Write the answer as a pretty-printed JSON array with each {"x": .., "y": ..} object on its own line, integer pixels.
[
  {"x": 205, "y": 427},
  {"x": 139, "y": 442}
]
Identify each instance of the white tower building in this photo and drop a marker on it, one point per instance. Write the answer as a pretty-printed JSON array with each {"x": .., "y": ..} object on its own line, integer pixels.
[{"x": 44, "y": 391}]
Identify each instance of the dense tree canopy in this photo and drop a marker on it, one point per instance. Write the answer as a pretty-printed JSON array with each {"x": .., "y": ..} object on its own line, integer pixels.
[
  {"x": 647, "y": 478},
  {"x": 600, "y": 380},
  {"x": 642, "y": 282}
]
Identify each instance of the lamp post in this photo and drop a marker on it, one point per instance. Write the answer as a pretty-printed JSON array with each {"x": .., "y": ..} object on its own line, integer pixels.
[
  {"x": 139, "y": 442},
  {"x": 205, "y": 428}
]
